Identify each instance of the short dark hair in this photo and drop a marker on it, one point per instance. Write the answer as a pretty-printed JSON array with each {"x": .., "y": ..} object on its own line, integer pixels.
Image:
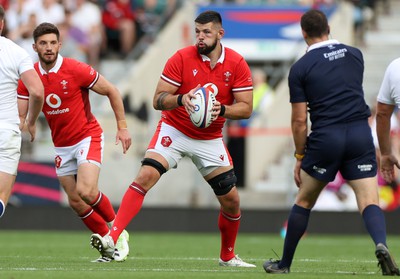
[
  {"x": 2, "y": 13},
  {"x": 314, "y": 23},
  {"x": 209, "y": 16},
  {"x": 45, "y": 28}
]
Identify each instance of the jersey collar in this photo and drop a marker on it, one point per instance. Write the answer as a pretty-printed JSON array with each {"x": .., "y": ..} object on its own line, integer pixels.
[
  {"x": 221, "y": 58},
  {"x": 56, "y": 67},
  {"x": 322, "y": 44}
]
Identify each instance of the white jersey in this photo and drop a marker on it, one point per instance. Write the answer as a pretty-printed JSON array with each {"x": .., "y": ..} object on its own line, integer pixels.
[
  {"x": 389, "y": 92},
  {"x": 14, "y": 60}
]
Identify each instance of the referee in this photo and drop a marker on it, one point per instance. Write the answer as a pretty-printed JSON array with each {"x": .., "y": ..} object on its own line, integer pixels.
[{"x": 326, "y": 83}]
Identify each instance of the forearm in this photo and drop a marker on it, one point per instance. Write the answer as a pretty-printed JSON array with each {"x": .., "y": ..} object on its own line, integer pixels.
[
  {"x": 35, "y": 107},
  {"x": 383, "y": 134},
  {"x": 237, "y": 111},
  {"x": 383, "y": 118},
  {"x": 118, "y": 108},
  {"x": 167, "y": 101},
  {"x": 299, "y": 131},
  {"x": 22, "y": 110},
  {"x": 36, "y": 94}
]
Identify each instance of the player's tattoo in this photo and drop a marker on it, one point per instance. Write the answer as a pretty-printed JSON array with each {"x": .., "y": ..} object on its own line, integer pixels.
[{"x": 160, "y": 101}]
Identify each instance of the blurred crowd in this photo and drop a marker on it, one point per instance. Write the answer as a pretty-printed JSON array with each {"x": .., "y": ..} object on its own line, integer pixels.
[
  {"x": 89, "y": 28},
  {"x": 365, "y": 16}
]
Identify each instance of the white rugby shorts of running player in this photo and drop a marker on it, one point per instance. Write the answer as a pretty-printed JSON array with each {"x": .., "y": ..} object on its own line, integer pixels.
[
  {"x": 88, "y": 150},
  {"x": 173, "y": 145},
  {"x": 10, "y": 150}
]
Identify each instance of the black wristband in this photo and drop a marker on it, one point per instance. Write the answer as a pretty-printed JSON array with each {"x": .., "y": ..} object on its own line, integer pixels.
[
  {"x": 222, "y": 111},
  {"x": 179, "y": 100}
]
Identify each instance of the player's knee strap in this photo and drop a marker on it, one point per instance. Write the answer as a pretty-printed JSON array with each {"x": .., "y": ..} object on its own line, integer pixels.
[
  {"x": 223, "y": 182},
  {"x": 155, "y": 164}
]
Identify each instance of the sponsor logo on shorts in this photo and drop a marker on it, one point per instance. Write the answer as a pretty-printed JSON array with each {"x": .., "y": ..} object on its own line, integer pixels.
[
  {"x": 366, "y": 167},
  {"x": 319, "y": 170}
]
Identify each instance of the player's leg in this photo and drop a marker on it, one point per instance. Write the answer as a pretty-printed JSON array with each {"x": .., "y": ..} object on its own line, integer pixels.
[
  {"x": 153, "y": 166},
  {"x": 89, "y": 217},
  {"x": 87, "y": 187},
  {"x": 223, "y": 182},
  {"x": 360, "y": 170},
  {"x": 131, "y": 204},
  {"x": 161, "y": 155},
  {"x": 366, "y": 191},
  {"x": 214, "y": 162},
  {"x": 10, "y": 152},
  {"x": 89, "y": 154},
  {"x": 307, "y": 196},
  {"x": 319, "y": 166},
  {"x": 6, "y": 183},
  {"x": 88, "y": 190}
]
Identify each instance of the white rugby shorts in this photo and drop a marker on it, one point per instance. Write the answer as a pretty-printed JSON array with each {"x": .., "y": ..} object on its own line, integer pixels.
[
  {"x": 89, "y": 150},
  {"x": 173, "y": 145},
  {"x": 10, "y": 150}
]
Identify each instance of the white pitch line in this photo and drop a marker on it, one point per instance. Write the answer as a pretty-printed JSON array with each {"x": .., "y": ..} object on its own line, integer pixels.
[{"x": 222, "y": 269}]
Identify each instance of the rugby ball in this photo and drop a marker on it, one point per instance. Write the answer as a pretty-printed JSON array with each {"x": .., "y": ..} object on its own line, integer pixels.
[{"x": 204, "y": 101}]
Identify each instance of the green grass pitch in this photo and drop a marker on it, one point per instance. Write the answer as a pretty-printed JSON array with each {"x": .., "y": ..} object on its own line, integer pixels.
[{"x": 61, "y": 254}]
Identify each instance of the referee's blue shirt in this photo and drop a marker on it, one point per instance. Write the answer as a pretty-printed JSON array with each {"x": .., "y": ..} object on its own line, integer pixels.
[{"x": 329, "y": 78}]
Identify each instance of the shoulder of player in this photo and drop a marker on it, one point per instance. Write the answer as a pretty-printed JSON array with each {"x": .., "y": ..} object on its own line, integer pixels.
[
  {"x": 13, "y": 48},
  {"x": 67, "y": 61},
  {"x": 395, "y": 65},
  {"x": 233, "y": 58},
  {"x": 231, "y": 52},
  {"x": 70, "y": 64},
  {"x": 392, "y": 70},
  {"x": 7, "y": 41}
]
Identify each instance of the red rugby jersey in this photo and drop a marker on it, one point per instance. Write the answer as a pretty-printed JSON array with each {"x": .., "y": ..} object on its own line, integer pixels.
[
  {"x": 186, "y": 69},
  {"x": 66, "y": 106}
]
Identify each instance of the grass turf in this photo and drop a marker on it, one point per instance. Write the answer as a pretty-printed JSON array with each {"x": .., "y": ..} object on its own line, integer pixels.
[{"x": 60, "y": 254}]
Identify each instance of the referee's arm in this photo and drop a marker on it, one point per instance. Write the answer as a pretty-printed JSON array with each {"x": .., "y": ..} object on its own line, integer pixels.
[{"x": 299, "y": 126}]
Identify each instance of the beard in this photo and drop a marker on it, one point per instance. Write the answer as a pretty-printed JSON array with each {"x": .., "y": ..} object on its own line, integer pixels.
[
  {"x": 48, "y": 60},
  {"x": 207, "y": 49}
]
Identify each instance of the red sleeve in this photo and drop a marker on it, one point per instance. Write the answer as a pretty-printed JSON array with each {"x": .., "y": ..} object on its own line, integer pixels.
[
  {"x": 243, "y": 81},
  {"x": 22, "y": 91},
  {"x": 85, "y": 75},
  {"x": 172, "y": 72}
]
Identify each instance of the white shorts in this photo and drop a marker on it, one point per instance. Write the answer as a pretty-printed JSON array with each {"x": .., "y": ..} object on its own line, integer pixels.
[
  {"x": 89, "y": 150},
  {"x": 173, "y": 145},
  {"x": 10, "y": 150}
]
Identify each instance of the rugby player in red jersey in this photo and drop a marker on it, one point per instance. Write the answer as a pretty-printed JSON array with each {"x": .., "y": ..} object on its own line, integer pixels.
[
  {"x": 208, "y": 63},
  {"x": 77, "y": 136}
]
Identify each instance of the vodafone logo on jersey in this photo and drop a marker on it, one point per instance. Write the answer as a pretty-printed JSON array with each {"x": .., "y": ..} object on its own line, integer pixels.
[{"x": 54, "y": 101}]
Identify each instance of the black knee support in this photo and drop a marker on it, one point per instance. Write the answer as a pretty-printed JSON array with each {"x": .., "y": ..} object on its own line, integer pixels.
[
  {"x": 223, "y": 182},
  {"x": 155, "y": 164}
]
